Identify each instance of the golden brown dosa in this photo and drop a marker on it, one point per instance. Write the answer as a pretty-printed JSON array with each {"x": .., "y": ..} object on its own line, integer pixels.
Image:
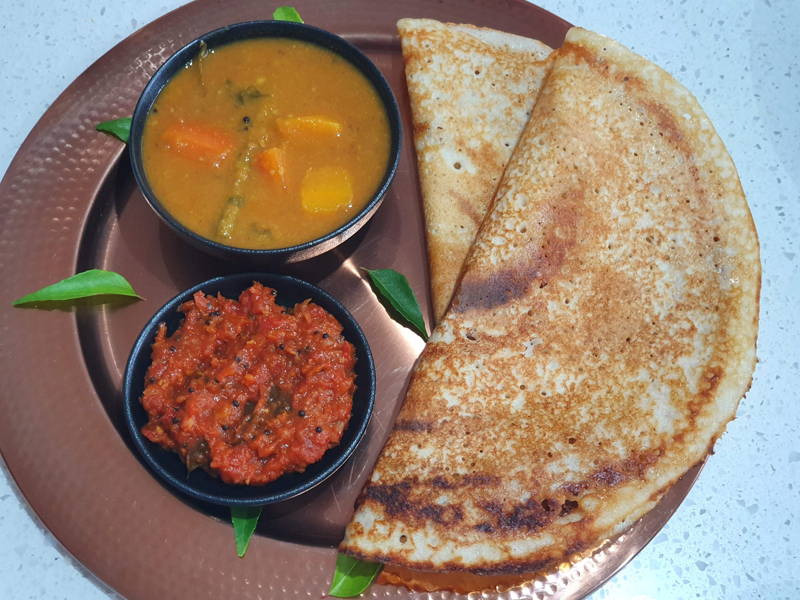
[
  {"x": 599, "y": 342},
  {"x": 471, "y": 91}
]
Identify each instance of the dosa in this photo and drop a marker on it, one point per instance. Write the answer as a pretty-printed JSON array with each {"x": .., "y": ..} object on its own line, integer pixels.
[{"x": 600, "y": 339}]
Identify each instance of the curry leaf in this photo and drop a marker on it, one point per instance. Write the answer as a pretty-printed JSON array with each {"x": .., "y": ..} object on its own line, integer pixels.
[
  {"x": 393, "y": 287},
  {"x": 287, "y": 13},
  {"x": 244, "y": 519},
  {"x": 94, "y": 282},
  {"x": 352, "y": 576},
  {"x": 119, "y": 128}
]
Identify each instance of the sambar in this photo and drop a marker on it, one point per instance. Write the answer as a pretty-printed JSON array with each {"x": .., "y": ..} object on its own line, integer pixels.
[{"x": 266, "y": 143}]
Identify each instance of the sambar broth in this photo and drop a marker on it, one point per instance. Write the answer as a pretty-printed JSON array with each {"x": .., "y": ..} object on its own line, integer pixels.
[{"x": 266, "y": 143}]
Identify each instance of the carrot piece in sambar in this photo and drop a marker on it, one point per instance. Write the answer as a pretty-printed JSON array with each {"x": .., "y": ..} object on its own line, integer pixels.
[
  {"x": 272, "y": 162},
  {"x": 198, "y": 142}
]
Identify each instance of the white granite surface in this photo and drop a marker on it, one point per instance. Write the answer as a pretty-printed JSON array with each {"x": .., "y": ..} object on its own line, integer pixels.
[{"x": 737, "y": 534}]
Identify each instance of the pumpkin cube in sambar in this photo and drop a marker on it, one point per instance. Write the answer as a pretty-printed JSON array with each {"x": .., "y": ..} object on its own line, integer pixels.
[
  {"x": 309, "y": 126},
  {"x": 326, "y": 189}
]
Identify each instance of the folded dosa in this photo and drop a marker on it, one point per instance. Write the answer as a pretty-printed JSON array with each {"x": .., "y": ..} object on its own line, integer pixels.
[
  {"x": 471, "y": 91},
  {"x": 600, "y": 339}
]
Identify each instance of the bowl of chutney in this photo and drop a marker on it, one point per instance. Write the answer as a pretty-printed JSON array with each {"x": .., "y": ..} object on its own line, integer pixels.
[
  {"x": 267, "y": 141},
  {"x": 248, "y": 389}
]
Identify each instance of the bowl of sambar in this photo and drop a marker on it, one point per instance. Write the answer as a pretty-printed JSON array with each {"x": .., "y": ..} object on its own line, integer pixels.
[{"x": 266, "y": 140}]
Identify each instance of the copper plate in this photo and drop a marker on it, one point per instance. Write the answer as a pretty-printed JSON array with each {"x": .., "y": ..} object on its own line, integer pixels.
[{"x": 69, "y": 203}]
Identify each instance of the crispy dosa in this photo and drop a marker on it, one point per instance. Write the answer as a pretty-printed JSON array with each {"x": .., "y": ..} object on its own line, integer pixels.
[
  {"x": 600, "y": 339},
  {"x": 471, "y": 91}
]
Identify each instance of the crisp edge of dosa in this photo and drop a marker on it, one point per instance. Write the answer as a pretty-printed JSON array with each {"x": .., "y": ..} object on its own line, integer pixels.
[{"x": 493, "y": 37}]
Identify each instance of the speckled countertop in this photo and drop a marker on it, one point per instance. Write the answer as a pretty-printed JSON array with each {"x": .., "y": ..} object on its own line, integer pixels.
[{"x": 737, "y": 534}]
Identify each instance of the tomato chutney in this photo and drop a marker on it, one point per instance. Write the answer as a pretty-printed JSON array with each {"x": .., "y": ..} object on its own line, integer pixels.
[{"x": 249, "y": 390}]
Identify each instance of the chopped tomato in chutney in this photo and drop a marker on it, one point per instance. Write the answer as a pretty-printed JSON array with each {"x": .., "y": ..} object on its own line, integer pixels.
[{"x": 249, "y": 390}]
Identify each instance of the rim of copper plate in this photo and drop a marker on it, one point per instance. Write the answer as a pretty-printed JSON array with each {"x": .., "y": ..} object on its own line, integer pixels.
[{"x": 58, "y": 431}]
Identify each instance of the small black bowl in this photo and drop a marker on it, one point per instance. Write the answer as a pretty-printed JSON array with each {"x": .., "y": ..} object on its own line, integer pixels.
[
  {"x": 267, "y": 29},
  {"x": 199, "y": 484}
]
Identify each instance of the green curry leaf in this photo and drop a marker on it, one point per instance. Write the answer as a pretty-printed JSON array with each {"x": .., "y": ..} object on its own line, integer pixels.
[
  {"x": 287, "y": 13},
  {"x": 393, "y": 288},
  {"x": 244, "y": 519},
  {"x": 119, "y": 128},
  {"x": 352, "y": 576},
  {"x": 94, "y": 282}
]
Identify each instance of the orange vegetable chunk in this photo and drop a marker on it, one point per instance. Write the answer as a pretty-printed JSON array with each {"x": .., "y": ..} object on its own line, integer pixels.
[
  {"x": 309, "y": 126},
  {"x": 198, "y": 142},
  {"x": 326, "y": 189},
  {"x": 272, "y": 162}
]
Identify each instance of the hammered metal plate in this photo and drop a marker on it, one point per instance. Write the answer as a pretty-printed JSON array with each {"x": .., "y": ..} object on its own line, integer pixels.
[{"x": 70, "y": 203}]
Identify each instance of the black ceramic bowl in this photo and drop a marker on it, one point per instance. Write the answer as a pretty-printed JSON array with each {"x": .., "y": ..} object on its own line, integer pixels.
[
  {"x": 267, "y": 29},
  {"x": 199, "y": 484}
]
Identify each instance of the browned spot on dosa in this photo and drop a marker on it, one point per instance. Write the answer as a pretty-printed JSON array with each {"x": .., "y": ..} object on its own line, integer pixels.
[
  {"x": 539, "y": 262},
  {"x": 396, "y": 501},
  {"x": 611, "y": 475},
  {"x": 413, "y": 499},
  {"x": 530, "y": 516},
  {"x": 420, "y": 128}
]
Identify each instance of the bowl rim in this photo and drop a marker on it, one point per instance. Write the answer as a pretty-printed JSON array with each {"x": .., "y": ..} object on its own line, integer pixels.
[
  {"x": 291, "y": 30},
  {"x": 143, "y": 344}
]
